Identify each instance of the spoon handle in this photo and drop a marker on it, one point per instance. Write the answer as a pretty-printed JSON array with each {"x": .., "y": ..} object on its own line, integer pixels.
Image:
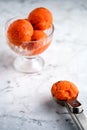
[{"x": 74, "y": 108}]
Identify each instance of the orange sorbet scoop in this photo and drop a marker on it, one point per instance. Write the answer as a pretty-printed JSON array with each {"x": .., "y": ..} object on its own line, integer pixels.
[
  {"x": 64, "y": 90},
  {"x": 39, "y": 42},
  {"x": 20, "y": 31},
  {"x": 36, "y": 40},
  {"x": 41, "y": 18},
  {"x": 37, "y": 35}
]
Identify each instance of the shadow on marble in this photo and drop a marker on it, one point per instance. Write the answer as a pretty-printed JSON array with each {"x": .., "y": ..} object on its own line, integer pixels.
[
  {"x": 59, "y": 112},
  {"x": 52, "y": 106}
]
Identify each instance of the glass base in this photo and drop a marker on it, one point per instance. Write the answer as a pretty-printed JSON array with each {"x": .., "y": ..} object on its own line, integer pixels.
[{"x": 29, "y": 64}]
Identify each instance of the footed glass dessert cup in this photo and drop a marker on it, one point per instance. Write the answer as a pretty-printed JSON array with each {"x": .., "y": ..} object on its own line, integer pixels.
[{"x": 28, "y": 59}]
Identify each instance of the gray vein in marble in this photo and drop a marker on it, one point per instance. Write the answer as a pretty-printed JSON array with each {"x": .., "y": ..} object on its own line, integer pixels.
[
  {"x": 33, "y": 120},
  {"x": 29, "y": 120},
  {"x": 6, "y": 89}
]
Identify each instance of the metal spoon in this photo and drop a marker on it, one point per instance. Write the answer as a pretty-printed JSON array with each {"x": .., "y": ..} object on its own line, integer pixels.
[{"x": 75, "y": 109}]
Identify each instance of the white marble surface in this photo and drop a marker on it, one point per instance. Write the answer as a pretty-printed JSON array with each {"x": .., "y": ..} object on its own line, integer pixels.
[{"x": 25, "y": 100}]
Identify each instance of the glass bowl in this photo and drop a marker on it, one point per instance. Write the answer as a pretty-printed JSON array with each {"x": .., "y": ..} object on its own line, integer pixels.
[{"x": 28, "y": 59}]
